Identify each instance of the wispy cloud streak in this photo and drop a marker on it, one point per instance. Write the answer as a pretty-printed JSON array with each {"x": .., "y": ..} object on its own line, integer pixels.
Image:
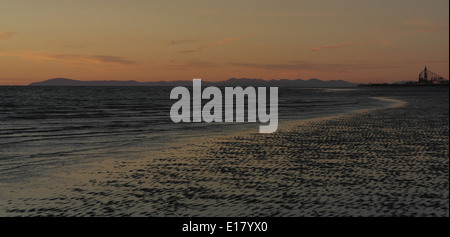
[
  {"x": 105, "y": 60},
  {"x": 6, "y": 34},
  {"x": 184, "y": 41},
  {"x": 425, "y": 26},
  {"x": 220, "y": 42},
  {"x": 185, "y": 65},
  {"x": 312, "y": 66},
  {"x": 327, "y": 47}
]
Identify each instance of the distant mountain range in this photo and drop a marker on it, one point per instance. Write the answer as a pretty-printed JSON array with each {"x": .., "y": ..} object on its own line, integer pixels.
[{"x": 230, "y": 82}]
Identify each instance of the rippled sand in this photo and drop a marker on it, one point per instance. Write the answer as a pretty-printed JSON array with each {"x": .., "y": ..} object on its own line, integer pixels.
[{"x": 385, "y": 162}]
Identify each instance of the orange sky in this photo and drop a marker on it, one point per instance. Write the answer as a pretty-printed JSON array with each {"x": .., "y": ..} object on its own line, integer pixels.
[{"x": 144, "y": 40}]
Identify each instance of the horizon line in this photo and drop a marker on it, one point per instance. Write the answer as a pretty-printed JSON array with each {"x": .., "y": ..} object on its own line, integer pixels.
[{"x": 206, "y": 81}]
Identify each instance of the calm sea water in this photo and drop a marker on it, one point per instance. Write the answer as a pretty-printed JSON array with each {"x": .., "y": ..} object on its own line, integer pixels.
[{"x": 42, "y": 127}]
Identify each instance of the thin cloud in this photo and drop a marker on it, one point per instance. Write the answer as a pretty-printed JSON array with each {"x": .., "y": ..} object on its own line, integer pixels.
[
  {"x": 185, "y": 65},
  {"x": 311, "y": 66},
  {"x": 77, "y": 46},
  {"x": 6, "y": 34},
  {"x": 295, "y": 65},
  {"x": 326, "y": 47},
  {"x": 220, "y": 42},
  {"x": 184, "y": 41},
  {"x": 105, "y": 60},
  {"x": 425, "y": 26}
]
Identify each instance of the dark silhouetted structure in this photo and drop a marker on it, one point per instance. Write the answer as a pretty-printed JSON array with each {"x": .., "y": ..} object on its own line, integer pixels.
[
  {"x": 429, "y": 77},
  {"x": 426, "y": 78}
]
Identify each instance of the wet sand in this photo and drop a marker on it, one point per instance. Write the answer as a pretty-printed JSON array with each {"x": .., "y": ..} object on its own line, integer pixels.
[{"x": 382, "y": 162}]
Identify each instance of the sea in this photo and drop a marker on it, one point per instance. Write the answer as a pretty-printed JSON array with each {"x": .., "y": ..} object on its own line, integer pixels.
[{"x": 45, "y": 127}]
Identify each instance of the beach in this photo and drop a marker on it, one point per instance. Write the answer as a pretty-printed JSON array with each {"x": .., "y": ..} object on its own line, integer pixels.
[{"x": 386, "y": 161}]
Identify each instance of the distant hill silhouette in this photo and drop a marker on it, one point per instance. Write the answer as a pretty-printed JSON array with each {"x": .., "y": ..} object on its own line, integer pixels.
[
  {"x": 70, "y": 82},
  {"x": 230, "y": 82}
]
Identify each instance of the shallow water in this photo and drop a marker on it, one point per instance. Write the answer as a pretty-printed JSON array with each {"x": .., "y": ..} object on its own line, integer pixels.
[{"x": 44, "y": 127}]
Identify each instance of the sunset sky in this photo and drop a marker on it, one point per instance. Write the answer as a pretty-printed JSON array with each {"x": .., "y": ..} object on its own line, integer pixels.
[{"x": 145, "y": 40}]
